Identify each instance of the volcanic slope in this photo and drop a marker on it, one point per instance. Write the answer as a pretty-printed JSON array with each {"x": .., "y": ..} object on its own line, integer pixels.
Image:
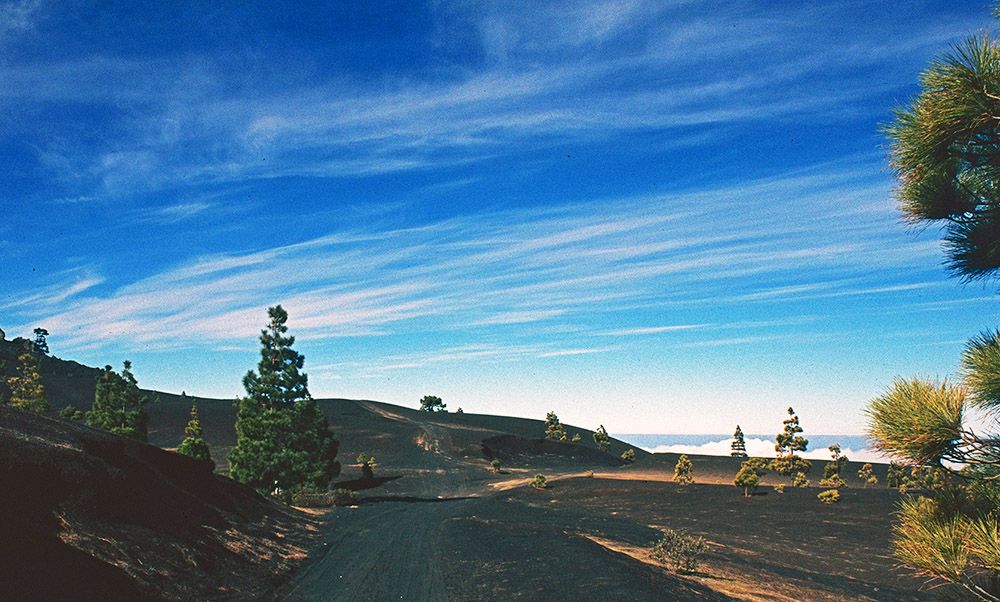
[{"x": 93, "y": 516}]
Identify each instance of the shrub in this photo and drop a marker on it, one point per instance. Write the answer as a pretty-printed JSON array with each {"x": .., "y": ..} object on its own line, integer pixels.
[
  {"x": 367, "y": 463},
  {"x": 576, "y": 438},
  {"x": 628, "y": 455},
  {"x": 601, "y": 439},
  {"x": 800, "y": 480},
  {"x": 495, "y": 465},
  {"x": 867, "y": 475},
  {"x": 830, "y": 496},
  {"x": 780, "y": 488},
  {"x": 681, "y": 551},
  {"x": 539, "y": 482},
  {"x": 71, "y": 413}
]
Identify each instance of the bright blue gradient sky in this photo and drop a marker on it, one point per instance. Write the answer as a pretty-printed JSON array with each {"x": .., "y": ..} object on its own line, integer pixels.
[{"x": 659, "y": 216}]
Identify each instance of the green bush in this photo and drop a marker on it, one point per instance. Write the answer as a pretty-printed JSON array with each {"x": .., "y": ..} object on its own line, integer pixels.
[
  {"x": 539, "y": 482},
  {"x": 780, "y": 488},
  {"x": 830, "y": 496},
  {"x": 71, "y": 413},
  {"x": 681, "y": 551},
  {"x": 628, "y": 455},
  {"x": 800, "y": 480},
  {"x": 495, "y": 465}
]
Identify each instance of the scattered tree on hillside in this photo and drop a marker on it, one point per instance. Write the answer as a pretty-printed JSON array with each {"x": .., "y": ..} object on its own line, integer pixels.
[
  {"x": 788, "y": 441},
  {"x": 495, "y": 465},
  {"x": 867, "y": 475},
  {"x": 539, "y": 482},
  {"x": 118, "y": 404},
  {"x": 628, "y": 455},
  {"x": 553, "y": 428},
  {"x": 576, "y": 438},
  {"x": 683, "y": 470},
  {"x": 26, "y": 390},
  {"x": 194, "y": 444},
  {"x": 432, "y": 403},
  {"x": 747, "y": 478},
  {"x": 367, "y": 464},
  {"x": 831, "y": 476},
  {"x": 833, "y": 469},
  {"x": 459, "y": 411},
  {"x": 283, "y": 440},
  {"x": 739, "y": 446},
  {"x": 41, "y": 346},
  {"x": 602, "y": 439}
]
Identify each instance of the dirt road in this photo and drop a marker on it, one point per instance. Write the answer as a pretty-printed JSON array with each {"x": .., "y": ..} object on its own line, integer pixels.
[{"x": 381, "y": 551}]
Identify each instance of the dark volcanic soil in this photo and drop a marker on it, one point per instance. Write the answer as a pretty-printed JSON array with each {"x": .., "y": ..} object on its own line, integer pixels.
[{"x": 92, "y": 516}]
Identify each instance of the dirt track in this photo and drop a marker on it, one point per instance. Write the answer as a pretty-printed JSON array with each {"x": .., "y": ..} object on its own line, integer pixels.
[{"x": 382, "y": 551}]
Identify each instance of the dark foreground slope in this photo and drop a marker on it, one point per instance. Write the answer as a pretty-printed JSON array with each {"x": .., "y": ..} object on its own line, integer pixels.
[{"x": 92, "y": 516}]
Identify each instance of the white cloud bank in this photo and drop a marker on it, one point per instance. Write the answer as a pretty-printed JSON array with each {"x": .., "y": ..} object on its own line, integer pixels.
[{"x": 763, "y": 448}]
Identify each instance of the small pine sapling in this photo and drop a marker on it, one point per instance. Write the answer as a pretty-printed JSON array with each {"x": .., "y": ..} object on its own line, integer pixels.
[
  {"x": 683, "y": 470},
  {"x": 747, "y": 478},
  {"x": 867, "y": 475}
]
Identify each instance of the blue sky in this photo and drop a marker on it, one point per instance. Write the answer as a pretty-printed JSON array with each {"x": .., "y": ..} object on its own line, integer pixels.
[{"x": 661, "y": 217}]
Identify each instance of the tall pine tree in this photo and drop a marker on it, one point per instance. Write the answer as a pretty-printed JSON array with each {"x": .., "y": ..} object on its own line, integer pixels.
[
  {"x": 27, "y": 391},
  {"x": 788, "y": 441},
  {"x": 194, "y": 444},
  {"x": 282, "y": 438},
  {"x": 739, "y": 446},
  {"x": 118, "y": 404}
]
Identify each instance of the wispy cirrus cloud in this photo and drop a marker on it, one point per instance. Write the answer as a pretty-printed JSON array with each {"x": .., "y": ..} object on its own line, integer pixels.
[
  {"x": 568, "y": 268},
  {"x": 567, "y": 72}
]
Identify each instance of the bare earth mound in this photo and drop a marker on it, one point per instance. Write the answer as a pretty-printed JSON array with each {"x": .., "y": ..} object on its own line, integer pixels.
[{"x": 89, "y": 515}]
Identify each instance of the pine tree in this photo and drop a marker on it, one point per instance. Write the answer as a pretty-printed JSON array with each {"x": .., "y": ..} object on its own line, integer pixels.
[
  {"x": 118, "y": 404},
  {"x": 739, "y": 446},
  {"x": 602, "y": 439},
  {"x": 433, "y": 403},
  {"x": 832, "y": 471},
  {"x": 789, "y": 441},
  {"x": 867, "y": 475},
  {"x": 282, "y": 438},
  {"x": 27, "y": 391},
  {"x": 553, "y": 428},
  {"x": 194, "y": 444},
  {"x": 683, "y": 470},
  {"x": 40, "y": 345},
  {"x": 748, "y": 477}
]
